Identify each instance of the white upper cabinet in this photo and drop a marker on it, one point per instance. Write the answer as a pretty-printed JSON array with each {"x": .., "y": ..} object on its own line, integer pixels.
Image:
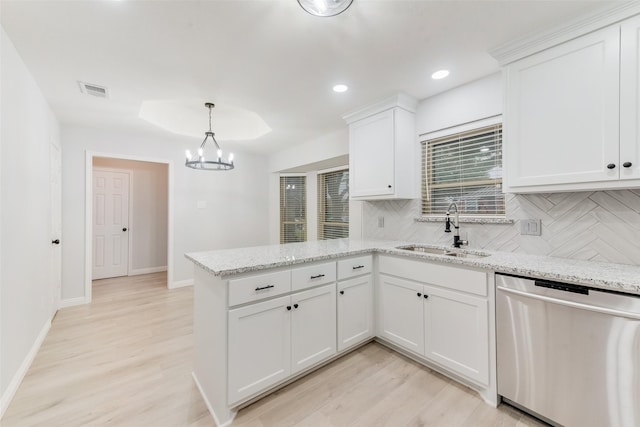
[
  {"x": 630, "y": 100},
  {"x": 562, "y": 114},
  {"x": 382, "y": 151},
  {"x": 572, "y": 114}
]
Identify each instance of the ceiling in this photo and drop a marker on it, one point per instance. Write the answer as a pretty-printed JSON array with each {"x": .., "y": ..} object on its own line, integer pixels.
[{"x": 268, "y": 57}]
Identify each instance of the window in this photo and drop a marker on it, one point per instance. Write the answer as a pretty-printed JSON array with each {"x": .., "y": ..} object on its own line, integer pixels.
[
  {"x": 333, "y": 205},
  {"x": 465, "y": 168},
  {"x": 293, "y": 209}
]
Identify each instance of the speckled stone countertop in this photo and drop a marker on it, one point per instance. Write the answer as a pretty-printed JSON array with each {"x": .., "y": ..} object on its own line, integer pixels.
[{"x": 617, "y": 277}]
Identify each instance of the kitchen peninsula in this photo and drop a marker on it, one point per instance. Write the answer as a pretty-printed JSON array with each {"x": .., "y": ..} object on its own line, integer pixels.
[{"x": 264, "y": 316}]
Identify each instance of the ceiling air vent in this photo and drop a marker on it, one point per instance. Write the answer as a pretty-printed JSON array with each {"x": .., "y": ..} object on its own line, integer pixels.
[{"x": 94, "y": 90}]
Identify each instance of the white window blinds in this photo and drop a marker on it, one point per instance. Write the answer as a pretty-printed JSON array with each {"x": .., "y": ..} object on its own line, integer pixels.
[
  {"x": 465, "y": 168},
  {"x": 333, "y": 205},
  {"x": 293, "y": 210}
]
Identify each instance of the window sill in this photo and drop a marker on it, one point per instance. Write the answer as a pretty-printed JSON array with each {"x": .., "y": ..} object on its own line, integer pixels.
[{"x": 468, "y": 219}]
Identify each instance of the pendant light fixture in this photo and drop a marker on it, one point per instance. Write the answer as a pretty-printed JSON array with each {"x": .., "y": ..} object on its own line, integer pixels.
[
  {"x": 325, "y": 8},
  {"x": 200, "y": 161}
]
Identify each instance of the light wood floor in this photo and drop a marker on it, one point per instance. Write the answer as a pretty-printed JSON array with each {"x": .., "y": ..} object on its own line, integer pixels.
[{"x": 125, "y": 360}]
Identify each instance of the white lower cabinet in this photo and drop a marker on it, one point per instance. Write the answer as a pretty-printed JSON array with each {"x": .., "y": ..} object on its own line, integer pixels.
[
  {"x": 313, "y": 327},
  {"x": 355, "y": 311},
  {"x": 401, "y": 313},
  {"x": 272, "y": 340},
  {"x": 441, "y": 323},
  {"x": 456, "y": 332},
  {"x": 259, "y": 346}
]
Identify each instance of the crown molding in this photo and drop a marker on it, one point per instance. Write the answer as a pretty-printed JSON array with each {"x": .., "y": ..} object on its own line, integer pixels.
[
  {"x": 400, "y": 100},
  {"x": 533, "y": 43}
]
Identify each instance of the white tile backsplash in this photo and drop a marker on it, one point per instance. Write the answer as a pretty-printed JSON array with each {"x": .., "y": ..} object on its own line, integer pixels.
[{"x": 597, "y": 225}]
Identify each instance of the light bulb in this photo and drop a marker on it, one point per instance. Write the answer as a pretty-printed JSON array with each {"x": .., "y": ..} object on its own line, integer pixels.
[
  {"x": 200, "y": 151},
  {"x": 188, "y": 154},
  {"x": 230, "y": 157},
  {"x": 219, "y": 153}
]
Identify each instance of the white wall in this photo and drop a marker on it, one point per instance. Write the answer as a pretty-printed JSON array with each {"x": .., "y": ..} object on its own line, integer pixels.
[
  {"x": 473, "y": 101},
  {"x": 236, "y": 201},
  {"x": 26, "y": 287},
  {"x": 326, "y": 152},
  {"x": 148, "y": 212}
]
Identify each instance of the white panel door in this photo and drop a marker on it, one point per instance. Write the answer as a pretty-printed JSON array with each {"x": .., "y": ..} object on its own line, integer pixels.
[
  {"x": 259, "y": 347},
  {"x": 401, "y": 317},
  {"x": 313, "y": 327},
  {"x": 630, "y": 99},
  {"x": 457, "y": 332},
  {"x": 110, "y": 224},
  {"x": 355, "y": 311},
  {"x": 562, "y": 113},
  {"x": 56, "y": 224}
]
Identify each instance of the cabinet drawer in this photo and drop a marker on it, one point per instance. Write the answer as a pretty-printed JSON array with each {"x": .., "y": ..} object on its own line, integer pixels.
[
  {"x": 259, "y": 286},
  {"x": 458, "y": 278},
  {"x": 313, "y": 275},
  {"x": 352, "y": 267}
]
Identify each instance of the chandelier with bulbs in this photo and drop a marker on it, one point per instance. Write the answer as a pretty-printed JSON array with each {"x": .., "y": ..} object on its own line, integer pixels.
[{"x": 218, "y": 163}]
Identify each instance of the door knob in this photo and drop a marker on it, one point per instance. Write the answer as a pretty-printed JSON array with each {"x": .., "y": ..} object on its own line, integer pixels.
[
  {"x": 55, "y": 242},
  {"x": 124, "y": 229}
]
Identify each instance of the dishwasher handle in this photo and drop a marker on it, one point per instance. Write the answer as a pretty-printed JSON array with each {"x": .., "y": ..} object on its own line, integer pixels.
[{"x": 572, "y": 304}]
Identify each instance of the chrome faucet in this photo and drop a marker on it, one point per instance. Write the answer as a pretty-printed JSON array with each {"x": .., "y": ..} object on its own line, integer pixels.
[{"x": 457, "y": 242}]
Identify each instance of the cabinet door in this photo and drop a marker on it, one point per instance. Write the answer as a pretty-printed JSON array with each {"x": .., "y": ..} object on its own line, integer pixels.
[
  {"x": 355, "y": 311},
  {"x": 371, "y": 155},
  {"x": 562, "y": 114},
  {"x": 456, "y": 332},
  {"x": 401, "y": 306},
  {"x": 259, "y": 347},
  {"x": 313, "y": 327},
  {"x": 630, "y": 99}
]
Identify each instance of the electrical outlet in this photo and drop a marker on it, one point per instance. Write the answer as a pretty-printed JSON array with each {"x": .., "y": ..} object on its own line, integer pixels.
[
  {"x": 380, "y": 222},
  {"x": 531, "y": 227}
]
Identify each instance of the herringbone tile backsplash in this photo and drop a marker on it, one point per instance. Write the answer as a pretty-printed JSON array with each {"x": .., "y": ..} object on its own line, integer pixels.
[{"x": 597, "y": 225}]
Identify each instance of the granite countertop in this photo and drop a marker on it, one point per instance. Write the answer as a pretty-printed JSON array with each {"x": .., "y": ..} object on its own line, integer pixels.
[{"x": 609, "y": 276}]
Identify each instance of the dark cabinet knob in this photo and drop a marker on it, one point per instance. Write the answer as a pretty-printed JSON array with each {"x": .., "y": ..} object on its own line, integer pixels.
[
  {"x": 55, "y": 242},
  {"x": 341, "y": 292},
  {"x": 288, "y": 307},
  {"x": 389, "y": 185},
  {"x": 426, "y": 296},
  {"x": 124, "y": 229},
  {"x": 295, "y": 305},
  {"x": 419, "y": 294},
  {"x": 611, "y": 166},
  {"x": 627, "y": 164}
]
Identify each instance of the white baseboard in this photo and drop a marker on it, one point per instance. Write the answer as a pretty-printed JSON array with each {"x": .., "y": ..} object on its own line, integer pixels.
[
  {"x": 180, "y": 284},
  {"x": 7, "y": 396},
  {"x": 70, "y": 302},
  {"x": 148, "y": 270}
]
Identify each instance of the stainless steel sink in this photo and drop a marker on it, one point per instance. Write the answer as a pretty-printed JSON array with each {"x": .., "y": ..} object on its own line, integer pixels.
[{"x": 444, "y": 252}]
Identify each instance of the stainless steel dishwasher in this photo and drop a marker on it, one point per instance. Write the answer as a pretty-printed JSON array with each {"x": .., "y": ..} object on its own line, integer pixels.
[{"x": 569, "y": 354}]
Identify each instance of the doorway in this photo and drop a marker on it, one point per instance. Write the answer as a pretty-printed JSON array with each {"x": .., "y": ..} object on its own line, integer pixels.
[{"x": 128, "y": 217}]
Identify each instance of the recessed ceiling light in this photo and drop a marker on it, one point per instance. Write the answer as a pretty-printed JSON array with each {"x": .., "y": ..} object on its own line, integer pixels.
[
  {"x": 440, "y": 74},
  {"x": 340, "y": 88}
]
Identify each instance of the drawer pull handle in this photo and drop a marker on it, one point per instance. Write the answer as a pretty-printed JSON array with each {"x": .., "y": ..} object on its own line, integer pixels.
[
  {"x": 317, "y": 277},
  {"x": 264, "y": 287},
  {"x": 358, "y": 267}
]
